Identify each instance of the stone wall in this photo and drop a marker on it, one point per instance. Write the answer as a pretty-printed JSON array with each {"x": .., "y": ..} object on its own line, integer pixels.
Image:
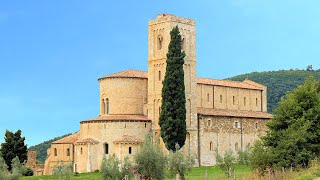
[
  {"x": 124, "y": 95},
  {"x": 159, "y": 30},
  {"x": 225, "y": 133},
  {"x": 108, "y": 133},
  {"x": 38, "y": 169},
  {"x": 220, "y": 97},
  {"x": 61, "y": 155}
]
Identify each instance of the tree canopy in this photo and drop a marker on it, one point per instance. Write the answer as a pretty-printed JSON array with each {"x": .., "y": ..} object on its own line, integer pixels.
[
  {"x": 13, "y": 147},
  {"x": 43, "y": 147},
  {"x": 278, "y": 82},
  {"x": 173, "y": 109},
  {"x": 293, "y": 138}
]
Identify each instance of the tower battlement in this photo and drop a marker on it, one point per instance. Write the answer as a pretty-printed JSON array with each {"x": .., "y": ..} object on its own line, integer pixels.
[{"x": 171, "y": 18}]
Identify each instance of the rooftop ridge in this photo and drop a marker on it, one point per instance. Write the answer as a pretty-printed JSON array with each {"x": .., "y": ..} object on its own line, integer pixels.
[{"x": 246, "y": 84}]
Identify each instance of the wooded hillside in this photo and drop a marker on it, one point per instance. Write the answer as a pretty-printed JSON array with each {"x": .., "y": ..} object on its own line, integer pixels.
[{"x": 278, "y": 82}]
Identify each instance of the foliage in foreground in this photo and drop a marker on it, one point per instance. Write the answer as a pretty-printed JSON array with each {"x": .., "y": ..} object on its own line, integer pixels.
[
  {"x": 112, "y": 168},
  {"x": 62, "y": 170},
  {"x": 173, "y": 108},
  {"x": 226, "y": 162},
  {"x": 293, "y": 138},
  {"x": 16, "y": 172},
  {"x": 13, "y": 147},
  {"x": 179, "y": 163},
  {"x": 150, "y": 161}
]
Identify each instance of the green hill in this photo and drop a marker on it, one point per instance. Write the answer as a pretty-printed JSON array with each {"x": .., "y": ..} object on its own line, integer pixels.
[
  {"x": 278, "y": 82},
  {"x": 43, "y": 147}
]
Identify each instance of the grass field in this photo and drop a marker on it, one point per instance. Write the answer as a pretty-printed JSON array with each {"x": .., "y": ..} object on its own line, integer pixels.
[
  {"x": 195, "y": 174},
  {"x": 198, "y": 173}
]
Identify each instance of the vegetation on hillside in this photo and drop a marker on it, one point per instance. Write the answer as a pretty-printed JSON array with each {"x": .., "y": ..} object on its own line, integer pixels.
[
  {"x": 173, "y": 108},
  {"x": 293, "y": 136},
  {"x": 278, "y": 82},
  {"x": 43, "y": 147}
]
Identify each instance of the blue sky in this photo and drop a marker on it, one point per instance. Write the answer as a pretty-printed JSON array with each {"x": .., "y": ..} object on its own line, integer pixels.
[{"x": 52, "y": 52}]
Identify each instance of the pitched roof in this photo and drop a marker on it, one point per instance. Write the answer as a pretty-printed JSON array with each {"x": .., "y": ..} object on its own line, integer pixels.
[
  {"x": 228, "y": 83},
  {"x": 86, "y": 140},
  {"x": 128, "y": 139},
  {"x": 246, "y": 84},
  {"x": 68, "y": 139},
  {"x": 117, "y": 117},
  {"x": 234, "y": 113},
  {"x": 248, "y": 81},
  {"x": 128, "y": 74}
]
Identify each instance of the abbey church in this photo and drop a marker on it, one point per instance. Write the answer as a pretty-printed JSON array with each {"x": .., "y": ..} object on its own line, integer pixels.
[{"x": 221, "y": 114}]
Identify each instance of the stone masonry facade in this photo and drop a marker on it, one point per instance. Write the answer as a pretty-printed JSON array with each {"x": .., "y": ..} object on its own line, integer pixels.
[{"x": 221, "y": 115}]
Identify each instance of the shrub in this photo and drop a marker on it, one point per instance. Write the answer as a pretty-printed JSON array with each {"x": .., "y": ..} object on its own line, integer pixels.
[
  {"x": 110, "y": 168},
  {"x": 62, "y": 170},
  {"x": 4, "y": 174},
  {"x": 113, "y": 168},
  {"x": 27, "y": 172},
  {"x": 150, "y": 161},
  {"x": 227, "y": 162},
  {"x": 244, "y": 156},
  {"x": 178, "y": 163}
]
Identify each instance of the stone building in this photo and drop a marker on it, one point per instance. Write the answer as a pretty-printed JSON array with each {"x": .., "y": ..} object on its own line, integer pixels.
[{"x": 221, "y": 114}]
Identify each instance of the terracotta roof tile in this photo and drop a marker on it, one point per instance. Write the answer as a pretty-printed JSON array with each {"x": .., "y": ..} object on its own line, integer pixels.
[
  {"x": 128, "y": 139},
  {"x": 118, "y": 117},
  {"x": 68, "y": 139},
  {"x": 247, "y": 84},
  {"x": 227, "y": 83},
  {"x": 86, "y": 140},
  {"x": 128, "y": 74},
  {"x": 248, "y": 81},
  {"x": 234, "y": 113}
]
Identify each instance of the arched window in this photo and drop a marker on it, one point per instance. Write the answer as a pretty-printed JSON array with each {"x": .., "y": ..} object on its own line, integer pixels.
[
  {"x": 211, "y": 146},
  {"x": 208, "y": 97},
  {"x": 256, "y": 125},
  {"x": 130, "y": 150},
  {"x": 106, "y": 148},
  {"x": 220, "y": 98},
  {"x": 107, "y": 106},
  {"x": 233, "y": 100},
  {"x": 145, "y": 125},
  {"x": 236, "y": 124},
  {"x": 256, "y": 101},
  {"x": 68, "y": 152},
  {"x": 209, "y": 122},
  {"x": 183, "y": 44},
  {"x": 160, "y": 41},
  {"x": 244, "y": 101},
  {"x": 55, "y": 152},
  {"x": 103, "y": 104},
  {"x": 81, "y": 151},
  {"x": 125, "y": 125},
  {"x": 159, "y": 74},
  {"x": 236, "y": 147}
]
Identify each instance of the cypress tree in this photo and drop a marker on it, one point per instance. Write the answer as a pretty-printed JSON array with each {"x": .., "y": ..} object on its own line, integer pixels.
[
  {"x": 173, "y": 109},
  {"x": 14, "y": 147}
]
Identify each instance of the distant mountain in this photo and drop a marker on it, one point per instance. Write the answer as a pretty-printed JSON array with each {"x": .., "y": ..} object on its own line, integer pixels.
[
  {"x": 278, "y": 82},
  {"x": 43, "y": 147}
]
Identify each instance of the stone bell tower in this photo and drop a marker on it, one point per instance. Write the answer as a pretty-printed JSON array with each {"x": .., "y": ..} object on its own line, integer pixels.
[{"x": 158, "y": 42}]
